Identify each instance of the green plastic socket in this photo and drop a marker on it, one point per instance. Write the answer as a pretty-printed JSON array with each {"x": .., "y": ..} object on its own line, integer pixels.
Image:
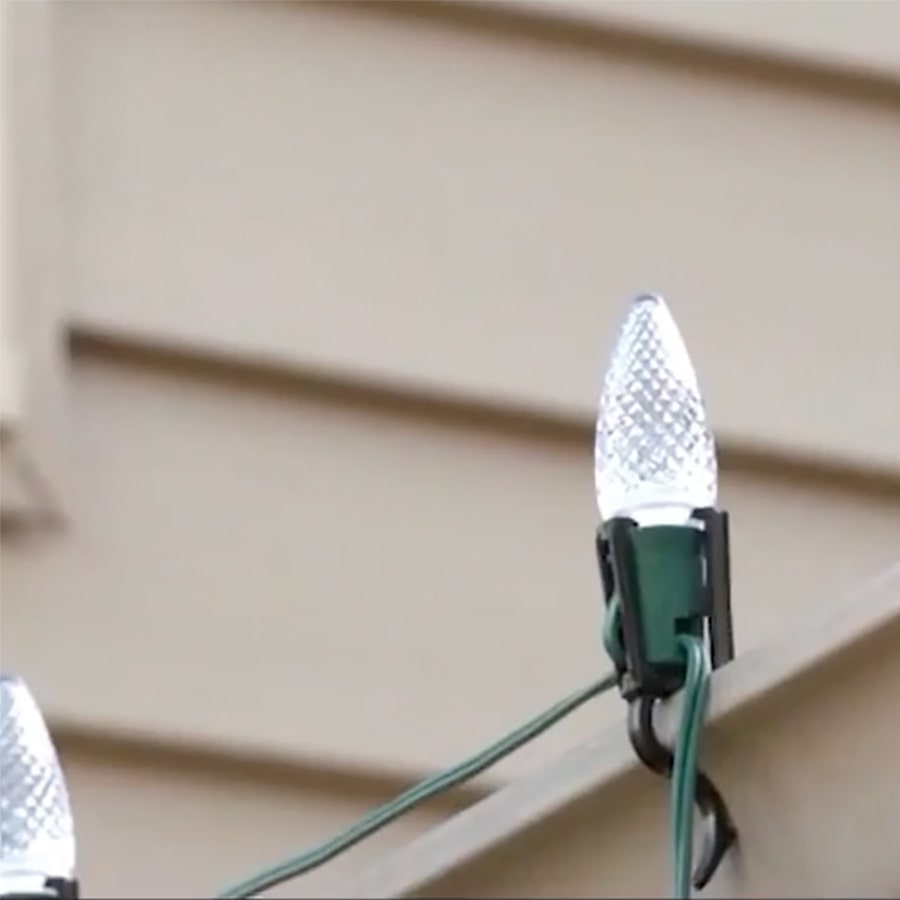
[{"x": 669, "y": 566}]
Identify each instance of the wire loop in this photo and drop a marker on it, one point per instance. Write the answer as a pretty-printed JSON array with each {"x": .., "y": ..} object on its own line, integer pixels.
[{"x": 719, "y": 830}]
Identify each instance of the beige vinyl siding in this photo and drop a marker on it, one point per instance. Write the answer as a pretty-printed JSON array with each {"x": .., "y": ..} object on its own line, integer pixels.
[
  {"x": 465, "y": 211},
  {"x": 350, "y": 562}
]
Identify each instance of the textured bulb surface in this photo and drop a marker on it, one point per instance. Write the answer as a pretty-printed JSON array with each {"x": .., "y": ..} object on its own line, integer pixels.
[
  {"x": 36, "y": 832},
  {"x": 654, "y": 456}
]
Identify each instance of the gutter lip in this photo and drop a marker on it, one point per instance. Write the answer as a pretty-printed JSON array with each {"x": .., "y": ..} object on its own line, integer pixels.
[{"x": 607, "y": 757}]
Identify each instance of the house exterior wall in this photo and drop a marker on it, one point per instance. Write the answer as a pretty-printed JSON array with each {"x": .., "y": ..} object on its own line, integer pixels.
[
  {"x": 154, "y": 822},
  {"x": 341, "y": 281}
]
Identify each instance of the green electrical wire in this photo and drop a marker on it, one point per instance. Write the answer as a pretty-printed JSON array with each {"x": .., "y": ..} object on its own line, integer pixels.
[
  {"x": 419, "y": 793},
  {"x": 684, "y": 773},
  {"x": 612, "y": 638},
  {"x": 687, "y": 746},
  {"x": 696, "y": 697}
]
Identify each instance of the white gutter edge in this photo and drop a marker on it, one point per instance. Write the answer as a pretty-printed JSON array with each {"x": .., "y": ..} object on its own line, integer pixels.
[{"x": 603, "y": 759}]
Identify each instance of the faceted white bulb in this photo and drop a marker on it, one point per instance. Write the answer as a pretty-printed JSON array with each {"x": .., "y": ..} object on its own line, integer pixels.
[
  {"x": 37, "y": 839},
  {"x": 654, "y": 456}
]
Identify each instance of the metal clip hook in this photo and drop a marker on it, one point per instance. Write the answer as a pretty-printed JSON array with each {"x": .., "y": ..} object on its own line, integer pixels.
[{"x": 720, "y": 832}]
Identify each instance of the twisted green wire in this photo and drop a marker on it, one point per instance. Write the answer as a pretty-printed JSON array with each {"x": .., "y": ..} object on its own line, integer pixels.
[
  {"x": 684, "y": 772},
  {"x": 687, "y": 745},
  {"x": 612, "y": 638},
  {"x": 696, "y": 696},
  {"x": 419, "y": 793}
]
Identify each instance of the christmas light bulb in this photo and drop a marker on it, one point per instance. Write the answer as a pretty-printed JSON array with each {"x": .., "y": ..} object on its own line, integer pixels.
[
  {"x": 654, "y": 455},
  {"x": 37, "y": 839}
]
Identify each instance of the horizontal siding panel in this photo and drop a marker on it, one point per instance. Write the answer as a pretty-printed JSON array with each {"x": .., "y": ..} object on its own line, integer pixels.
[
  {"x": 427, "y": 205},
  {"x": 297, "y": 577},
  {"x": 212, "y": 824}
]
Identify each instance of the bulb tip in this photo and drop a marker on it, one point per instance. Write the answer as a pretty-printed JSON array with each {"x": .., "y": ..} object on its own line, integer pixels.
[
  {"x": 649, "y": 306},
  {"x": 648, "y": 297}
]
